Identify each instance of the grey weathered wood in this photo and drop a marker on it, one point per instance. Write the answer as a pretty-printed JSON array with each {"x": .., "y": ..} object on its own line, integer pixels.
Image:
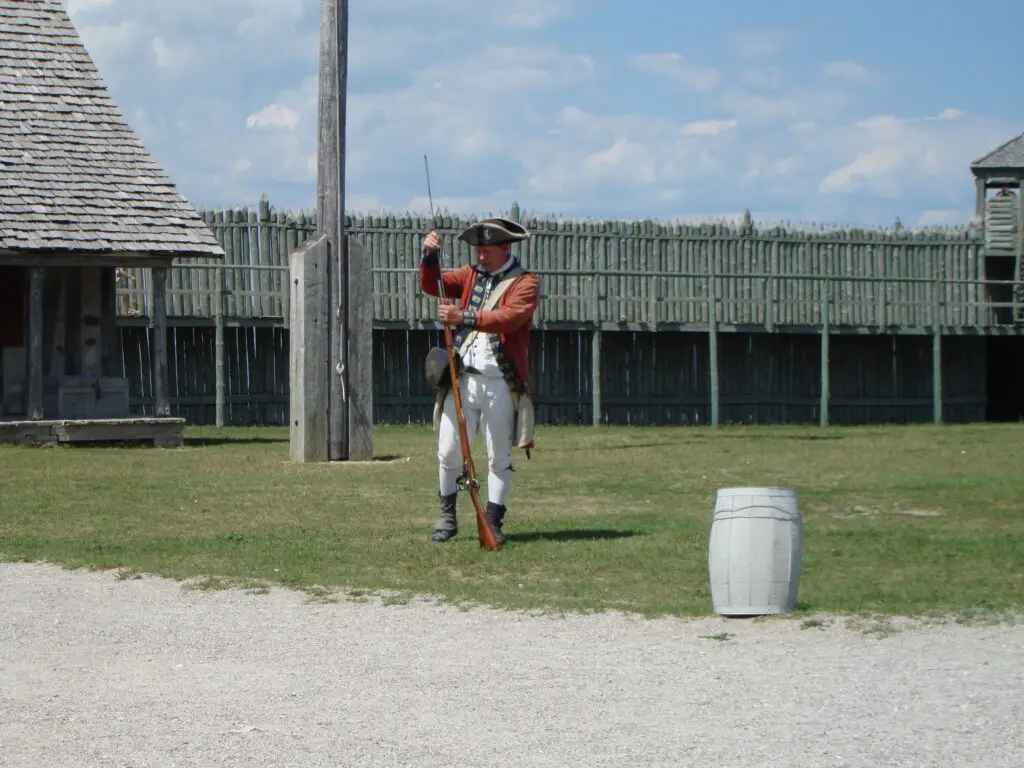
[
  {"x": 668, "y": 375},
  {"x": 359, "y": 336},
  {"x": 72, "y": 333},
  {"x": 713, "y": 339},
  {"x": 331, "y": 210},
  {"x": 937, "y": 306},
  {"x": 309, "y": 353},
  {"x": 160, "y": 433},
  {"x": 825, "y": 354},
  {"x": 91, "y": 318},
  {"x": 643, "y": 277},
  {"x": 109, "y": 345},
  {"x": 60, "y": 333},
  {"x": 937, "y": 399},
  {"x": 595, "y": 376},
  {"x": 1018, "y": 266},
  {"x": 161, "y": 405},
  {"x": 56, "y": 259},
  {"x": 34, "y": 393},
  {"x": 79, "y": 179},
  {"x": 220, "y": 380}
]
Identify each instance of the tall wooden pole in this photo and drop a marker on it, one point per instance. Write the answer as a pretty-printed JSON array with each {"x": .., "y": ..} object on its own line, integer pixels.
[{"x": 331, "y": 210}]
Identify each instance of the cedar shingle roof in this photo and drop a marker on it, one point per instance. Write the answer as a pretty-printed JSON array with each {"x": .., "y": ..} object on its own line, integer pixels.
[
  {"x": 73, "y": 174},
  {"x": 1009, "y": 155}
]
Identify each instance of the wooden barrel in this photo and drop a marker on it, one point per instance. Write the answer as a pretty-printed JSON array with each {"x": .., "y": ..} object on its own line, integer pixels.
[{"x": 754, "y": 551}]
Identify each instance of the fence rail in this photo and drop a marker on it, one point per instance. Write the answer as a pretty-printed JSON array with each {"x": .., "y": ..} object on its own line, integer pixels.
[
  {"x": 661, "y": 300},
  {"x": 821, "y": 327},
  {"x": 632, "y": 275}
]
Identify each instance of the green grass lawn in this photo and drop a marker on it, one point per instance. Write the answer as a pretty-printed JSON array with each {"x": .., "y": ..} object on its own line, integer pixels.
[{"x": 918, "y": 520}]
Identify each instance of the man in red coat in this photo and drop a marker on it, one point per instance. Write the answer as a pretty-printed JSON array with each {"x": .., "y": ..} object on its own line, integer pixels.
[{"x": 491, "y": 320}]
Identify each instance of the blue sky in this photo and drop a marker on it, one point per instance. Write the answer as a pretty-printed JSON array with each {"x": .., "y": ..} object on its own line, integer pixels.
[{"x": 849, "y": 113}]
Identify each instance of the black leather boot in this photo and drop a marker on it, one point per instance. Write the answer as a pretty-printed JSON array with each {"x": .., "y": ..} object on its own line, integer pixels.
[
  {"x": 495, "y": 514},
  {"x": 446, "y": 527}
]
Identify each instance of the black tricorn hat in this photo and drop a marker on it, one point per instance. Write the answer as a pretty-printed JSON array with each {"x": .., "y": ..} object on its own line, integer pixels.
[{"x": 494, "y": 231}]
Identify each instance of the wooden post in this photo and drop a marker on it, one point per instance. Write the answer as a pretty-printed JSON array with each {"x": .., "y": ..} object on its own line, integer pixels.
[
  {"x": 713, "y": 336},
  {"x": 601, "y": 262},
  {"x": 218, "y": 309},
  {"x": 826, "y": 330},
  {"x": 110, "y": 335},
  {"x": 344, "y": 319},
  {"x": 34, "y": 394},
  {"x": 90, "y": 340},
  {"x": 595, "y": 374},
  {"x": 1015, "y": 288},
  {"x": 937, "y": 397},
  {"x": 308, "y": 350},
  {"x": 360, "y": 352},
  {"x": 161, "y": 405}
]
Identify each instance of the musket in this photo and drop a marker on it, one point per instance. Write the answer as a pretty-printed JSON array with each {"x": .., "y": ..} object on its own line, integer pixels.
[{"x": 487, "y": 538}]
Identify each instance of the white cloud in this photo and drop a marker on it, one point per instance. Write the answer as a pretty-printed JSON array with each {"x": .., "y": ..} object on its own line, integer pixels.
[
  {"x": 846, "y": 70},
  {"x": 887, "y": 156},
  {"x": 709, "y": 127},
  {"x": 274, "y": 116},
  {"x": 224, "y": 93},
  {"x": 75, "y": 7},
  {"x": 513, "y": 15},
  {"x": 697, "y": 77},
  {"x": 944, "y": 217},
  {"x": 791, "y": 106},
  {"x": 173, "y": 55}
]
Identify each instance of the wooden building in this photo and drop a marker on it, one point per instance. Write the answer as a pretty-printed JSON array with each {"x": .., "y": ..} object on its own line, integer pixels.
[
  {"x": 1001, "y": 215},
  {"x": 79, "y": 197}
]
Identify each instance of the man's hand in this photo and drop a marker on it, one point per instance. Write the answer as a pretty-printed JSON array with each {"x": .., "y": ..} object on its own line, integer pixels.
[
  {"x": 432, "y": 242},
  {"x": 449, "y": 314}
]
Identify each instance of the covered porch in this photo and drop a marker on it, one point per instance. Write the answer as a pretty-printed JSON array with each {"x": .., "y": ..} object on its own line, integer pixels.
[{"x": 61, "y": 373}]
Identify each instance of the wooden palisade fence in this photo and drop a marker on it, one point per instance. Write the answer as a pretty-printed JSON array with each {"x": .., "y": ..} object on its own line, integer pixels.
[{"x": 640, "y": 322}]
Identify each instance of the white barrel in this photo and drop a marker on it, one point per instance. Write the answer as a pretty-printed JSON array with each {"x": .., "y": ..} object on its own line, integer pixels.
[{"x": 754, "y": 551}]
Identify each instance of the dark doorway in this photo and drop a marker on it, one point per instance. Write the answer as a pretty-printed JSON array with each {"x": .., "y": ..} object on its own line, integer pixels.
[
  {"x": 1005, "y": 376},
  {"x": 1000, "y": 268},
  {"x": 12, "y": 306}
]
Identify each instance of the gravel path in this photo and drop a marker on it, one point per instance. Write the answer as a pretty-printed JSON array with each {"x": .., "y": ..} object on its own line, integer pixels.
[{"x": 96, "y": 671}]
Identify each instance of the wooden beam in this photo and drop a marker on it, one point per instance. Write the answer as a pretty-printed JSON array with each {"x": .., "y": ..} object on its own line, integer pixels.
[
  {"x": 90, "y": 352},
  {"x": 310, "y": 358},
  {"x": 595, "y": 376},
  {"x": 826, "y": 370},
  {"x": 359, "y": 338},
  {"x": 221, "y": 379},
  {"x": 331, "y": 211},
  {"x": 58, "y": 354},
  {"x": 110, "y": 351},
  {"x": 162, "y": 406},
  {"x": 77, "y": 260},
  {"x": 937, "y": 306},
  {"x": 34, "y": 394},
  {"x": 1018, "y": 257},
  {"x": 713, "y": 338}
]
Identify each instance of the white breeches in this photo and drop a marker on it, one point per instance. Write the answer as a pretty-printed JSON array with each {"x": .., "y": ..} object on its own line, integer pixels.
[{"x": 487, "y": 406}]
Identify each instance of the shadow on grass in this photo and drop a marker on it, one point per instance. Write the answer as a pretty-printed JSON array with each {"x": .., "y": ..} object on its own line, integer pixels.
[
  {"x": 239, "y": 440},
  {"x": 574, "y": 535},
  {"x": 766, "y": 437}
]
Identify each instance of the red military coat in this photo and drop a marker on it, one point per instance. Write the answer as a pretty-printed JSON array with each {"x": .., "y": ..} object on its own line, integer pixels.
[{"x": 511, "y": 319}]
